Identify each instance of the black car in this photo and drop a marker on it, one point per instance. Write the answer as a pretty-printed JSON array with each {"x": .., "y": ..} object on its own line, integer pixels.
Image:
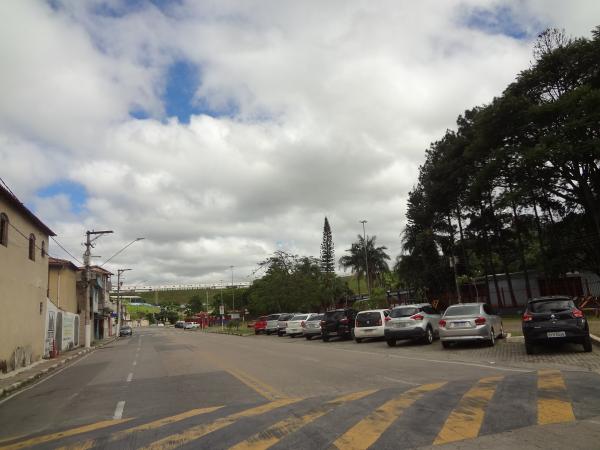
[
  {"x": 126, "y": 331},
  {"x": 554, "y": 319},
  {"x": 339, "y": 322}
]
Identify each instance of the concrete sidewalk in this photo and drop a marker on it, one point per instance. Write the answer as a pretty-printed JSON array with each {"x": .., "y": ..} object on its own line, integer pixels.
[{"x": 17, "y": 379}]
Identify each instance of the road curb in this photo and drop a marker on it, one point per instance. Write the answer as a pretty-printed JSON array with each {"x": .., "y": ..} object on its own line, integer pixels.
[
  {"x": 36, "y": 376},
  {"x": 595, "y": 340}
]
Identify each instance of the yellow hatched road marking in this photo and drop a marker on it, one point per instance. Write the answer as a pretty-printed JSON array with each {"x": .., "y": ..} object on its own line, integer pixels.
[
  {"x": 144, "y": 427},
  {"x": 268, "y": 392},
  {"x": 62, "y": 434},
  {"x": 465, "y": 420},
  {"x": 198, "y": 431},
  {"x": 553, "y": 405},
  {"x": 366, "y": 432},
  {"x": 283, "y": 428}
]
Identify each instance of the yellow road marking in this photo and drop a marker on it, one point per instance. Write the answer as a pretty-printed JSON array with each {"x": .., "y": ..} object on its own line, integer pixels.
[
  {"x": 265, "y": 390},
  {"x": 465, "y": 420},
  {"x": 62, "y": 434},
  {"x": 553, "y": 405},
  {"x": 283, "y": 428},
  {"x": 144, "y": 427},
  {"x": 366, "y": 432},
  {"x": 198, "y": 431}
]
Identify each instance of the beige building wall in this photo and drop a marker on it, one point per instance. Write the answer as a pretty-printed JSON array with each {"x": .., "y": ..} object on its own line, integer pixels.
[
  {"x": 23, "y": 286},
  {"x": 62, "y": 287}
]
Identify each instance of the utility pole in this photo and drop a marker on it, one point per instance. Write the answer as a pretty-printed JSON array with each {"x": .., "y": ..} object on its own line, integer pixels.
[
  {"x": 87, "y": 255},
  {"x": 119, "y": 272},
  {"x": 222, "y": 307},
  {"x": 232, "y": 290},
  {"x": 453, "y": 264},
  {"x": 366, "y": 259}
]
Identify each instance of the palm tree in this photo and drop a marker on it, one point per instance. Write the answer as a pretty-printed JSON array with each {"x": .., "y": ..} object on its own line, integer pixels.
[{"x": 376, "y": 258}]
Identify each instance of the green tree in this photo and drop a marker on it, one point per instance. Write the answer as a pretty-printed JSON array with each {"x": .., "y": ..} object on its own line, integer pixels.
[
  {"x": 376, "y": 259},
  {"x": 327, "y": 250}
]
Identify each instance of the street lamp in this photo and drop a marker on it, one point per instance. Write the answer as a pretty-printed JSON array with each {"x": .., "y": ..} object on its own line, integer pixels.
[
  {"x": 119, "y": 272},
  {"x": 366, "y": 259},
  {"x": 123, "y": 249},
  {"x": 232, "y": 290},
  {"x": 222, "y": 311}
]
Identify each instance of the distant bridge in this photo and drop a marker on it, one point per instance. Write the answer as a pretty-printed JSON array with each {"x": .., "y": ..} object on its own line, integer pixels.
[{"x": 181, "y": 287}]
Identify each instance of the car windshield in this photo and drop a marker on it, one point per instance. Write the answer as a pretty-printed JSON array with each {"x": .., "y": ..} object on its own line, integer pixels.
[
  {"x": 547, "y": 306},
  {"x": 273, "y": 317},
  {"x": 462, "y": 310},
  {"x": 368, "y": 316},
  {"x": 285, "y": 317},
  {"x": 319, "y": 317},
  {"x": 404, "y": 312},
  {"x": 336, "y": 315},
  {"x": 300, "y": 317}
]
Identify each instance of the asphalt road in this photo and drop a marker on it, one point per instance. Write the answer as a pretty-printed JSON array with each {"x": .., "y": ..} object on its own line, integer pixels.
[{"x": 170, "y": 388}]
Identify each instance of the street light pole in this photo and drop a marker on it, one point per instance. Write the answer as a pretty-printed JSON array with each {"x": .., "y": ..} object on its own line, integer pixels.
[
  {"x": 222, "y": 307},
  {"x": 232, "y": 290},
  {"x": 119, "y": 272},
  {"x": 366, "y": 259},
  {"x": 87, "y": 255}
]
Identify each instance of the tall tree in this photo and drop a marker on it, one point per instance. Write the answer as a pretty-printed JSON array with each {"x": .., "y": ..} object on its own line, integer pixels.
[
  {"x": 327, "y": 262},
  {"x": 376, "y": 259}
]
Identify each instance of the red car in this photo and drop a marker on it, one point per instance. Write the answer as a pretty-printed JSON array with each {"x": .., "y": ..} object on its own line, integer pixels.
[{"x": 260, "y": 325}]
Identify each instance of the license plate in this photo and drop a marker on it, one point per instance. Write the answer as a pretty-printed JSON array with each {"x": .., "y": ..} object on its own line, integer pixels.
[
  {"x": 555, "y": 334},
  {"x": 368, "y": 331},
  {"x": 401, "y": 324},
  {"x": 459, "y": 324}
]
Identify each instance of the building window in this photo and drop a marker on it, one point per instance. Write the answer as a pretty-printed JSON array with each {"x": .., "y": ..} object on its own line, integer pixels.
[
  {"x": 4, "y": 229},
  {"x": 32, "y": 247},
  {"x": 44, "y": 249}
]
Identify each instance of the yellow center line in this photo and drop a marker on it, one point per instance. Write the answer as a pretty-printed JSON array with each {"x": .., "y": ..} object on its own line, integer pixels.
[
  {"x": 62, "y": 434},
  {"x": 553, "y": 405},
  {"x": 198, "y": 431},
  {"x": 366, "y": 432},
  {"x": 465, "y": 420},
  {"x": 283, "y": 428}
]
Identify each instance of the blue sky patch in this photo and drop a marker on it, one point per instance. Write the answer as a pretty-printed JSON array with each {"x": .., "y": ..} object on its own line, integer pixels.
[
  {"x": 183, "y": 80},
  {"x": 496, "y": 21},
  {"x": 75, "y": 191}
]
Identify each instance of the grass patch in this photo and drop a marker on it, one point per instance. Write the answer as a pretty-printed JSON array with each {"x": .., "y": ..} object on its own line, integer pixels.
[
  {"x": 512, "y": 324},
  {"x": 243, "y": 330}
]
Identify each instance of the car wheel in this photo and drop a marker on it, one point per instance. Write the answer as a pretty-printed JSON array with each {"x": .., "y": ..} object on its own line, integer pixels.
[
  {"x": 391, "y": 342},
  {"x": 256, "y": 332},
  {"x": 501, "y": 335},
  {"x": 529, "y": 348},
  {"x": 358, "y": 340},
  {"x": 268, "y": 333},
  {"x": 587, "y": 344},
  {"x": 492, "y": 340},
  {"x": 445, "y": 344},
  {"x": 325, "y": 338},
  {"x": 429, "y": 336},
  {"x": 308, "y": 338}
]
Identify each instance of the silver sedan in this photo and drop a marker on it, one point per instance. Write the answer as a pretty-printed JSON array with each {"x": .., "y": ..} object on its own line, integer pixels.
[{"x": 470, "y": 321}]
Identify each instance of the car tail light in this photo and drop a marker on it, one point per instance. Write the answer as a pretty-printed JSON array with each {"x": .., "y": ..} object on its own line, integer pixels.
[
  {"x": 387, "y": 319},
  {"x": 442, "y": 323},
  {"x": 302, "y": 324},
  {"x": 480, "y": 321},
  {"x": 344, "y": 321},
  {"x": 417, "y": 317},
  {"x": 577, "y": 313},
  {"x": 323, "y": 323},
  {"x": 527, "y": 317}
]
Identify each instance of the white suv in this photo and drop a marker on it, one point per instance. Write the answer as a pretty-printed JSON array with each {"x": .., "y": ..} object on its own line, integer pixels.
[
  {"x": 417, "y": 322},
  {"x": 370, "y": 324}
]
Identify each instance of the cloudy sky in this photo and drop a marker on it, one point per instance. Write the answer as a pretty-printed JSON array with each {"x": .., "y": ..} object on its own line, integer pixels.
[{"x": 224, "y": 130}]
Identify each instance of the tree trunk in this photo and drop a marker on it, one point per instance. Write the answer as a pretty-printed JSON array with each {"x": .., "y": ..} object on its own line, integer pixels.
[
  {"x": 462, "y": 241},
  {"x": 488, "y": 252},
  {"x": 521, "y": 248}
]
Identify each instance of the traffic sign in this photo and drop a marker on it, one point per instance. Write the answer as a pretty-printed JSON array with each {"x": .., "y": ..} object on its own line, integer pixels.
[{"x": 221, "y": 310}]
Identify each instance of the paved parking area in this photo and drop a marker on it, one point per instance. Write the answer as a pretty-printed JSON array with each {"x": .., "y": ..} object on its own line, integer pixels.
[{"x": 508, "y": 352}]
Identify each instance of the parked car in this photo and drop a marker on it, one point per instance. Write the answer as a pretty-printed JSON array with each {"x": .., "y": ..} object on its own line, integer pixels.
[
  {"x": 190, "y": 326},
  {"x": 160, "y": 324},
  {"x": 295, "y": 326},
  {"x": 272, "y": 323},
  {"x": 126, "y": 331},
  {"x": 554, "y": 319},
  {"x": 180, "y": 324},
  {"x": 312, "y": 327},
  {"x": 470, "y": 321},
  {"x": 339, "y": 322},
  {"x": 260, "y": 325},
  {"x": 282, "y": 323},
  {"x": 370, "y": 324},
  {"x": 419, "y": 322}
]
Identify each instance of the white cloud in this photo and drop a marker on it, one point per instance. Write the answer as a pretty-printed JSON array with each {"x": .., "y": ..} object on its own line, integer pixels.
[{"x": 335, "y": 104}]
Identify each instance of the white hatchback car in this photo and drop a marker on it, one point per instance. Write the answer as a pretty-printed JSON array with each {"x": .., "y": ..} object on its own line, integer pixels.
[{"x": 370, "y": 324}]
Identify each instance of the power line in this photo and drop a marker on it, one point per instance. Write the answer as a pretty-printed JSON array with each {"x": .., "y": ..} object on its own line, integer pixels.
[{"x": 65, "y": 250}]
